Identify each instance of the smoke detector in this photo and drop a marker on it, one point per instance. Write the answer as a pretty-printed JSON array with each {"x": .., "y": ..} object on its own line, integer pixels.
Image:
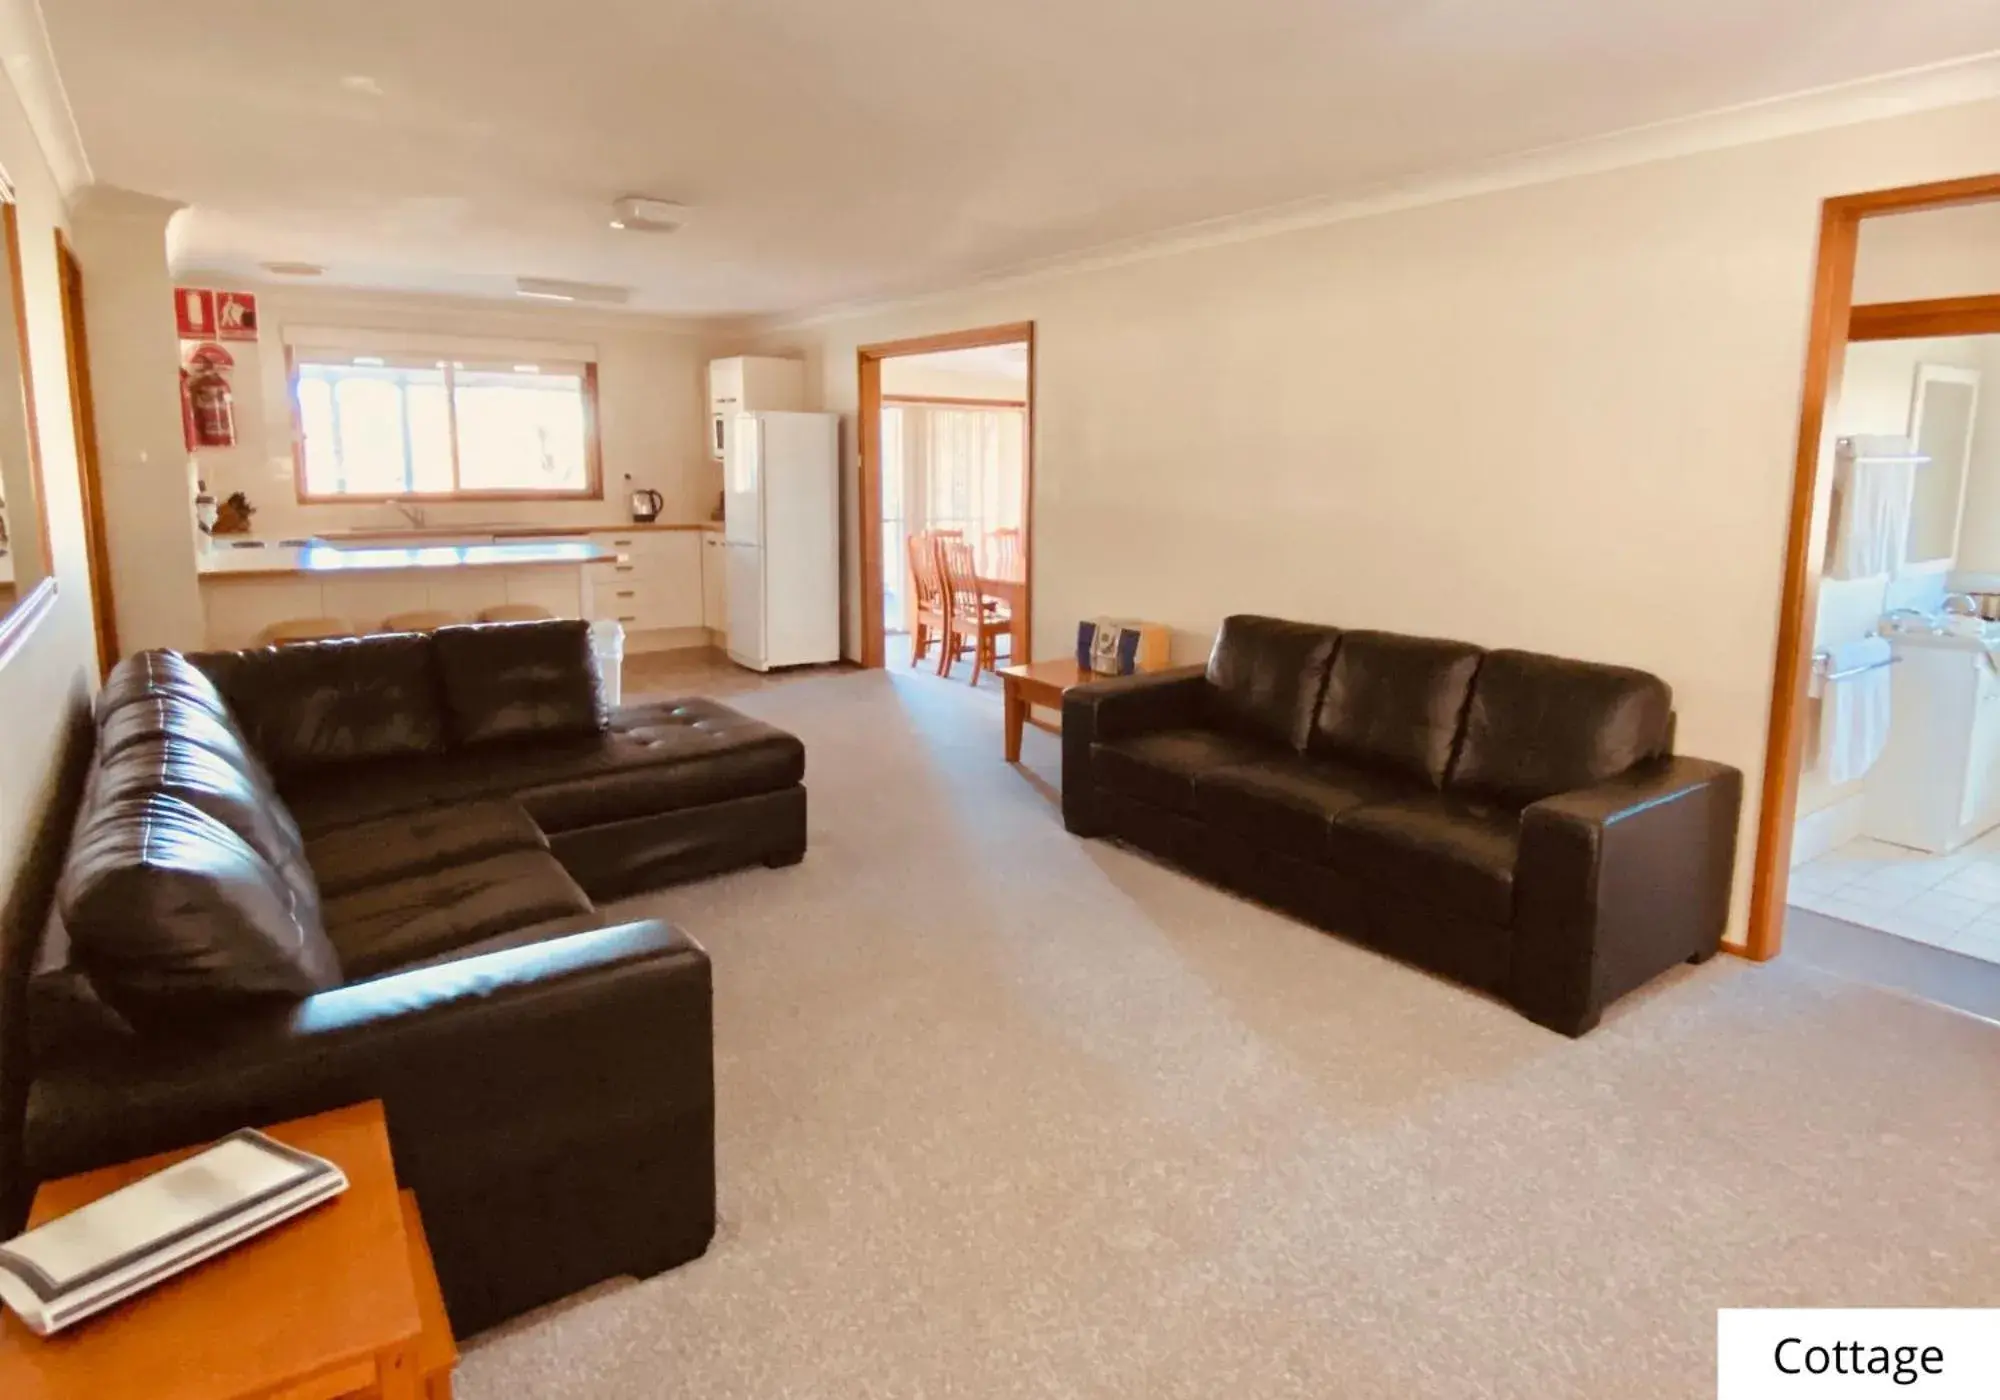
[{"x": 638, "y": 214}]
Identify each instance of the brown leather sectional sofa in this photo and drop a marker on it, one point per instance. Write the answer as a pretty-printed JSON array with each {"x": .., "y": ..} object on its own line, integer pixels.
[
  {"x": 369, "y": 868},
  {"x": 1516, "y": 821}
]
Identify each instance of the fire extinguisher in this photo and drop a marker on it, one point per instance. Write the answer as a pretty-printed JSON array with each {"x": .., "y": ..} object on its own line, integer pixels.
[{"x": 208, "y": 403}]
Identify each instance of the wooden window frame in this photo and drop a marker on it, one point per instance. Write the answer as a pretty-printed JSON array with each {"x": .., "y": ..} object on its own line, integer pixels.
[
  {"x": 593, "y": 454},
  {"x": 1835, "y": 321}
]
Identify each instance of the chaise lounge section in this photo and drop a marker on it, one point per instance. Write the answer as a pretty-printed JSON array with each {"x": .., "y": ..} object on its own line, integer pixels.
[
  {"x": 1515, "y": 821},
  {"x": 369, "y": 868}
]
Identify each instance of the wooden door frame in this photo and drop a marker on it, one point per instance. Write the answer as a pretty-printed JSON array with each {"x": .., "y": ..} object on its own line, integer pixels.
[
  {"x": 1835, "y": 320},
  {"x": 868, "y": 367},
  {"x": 90, "y": 480}
]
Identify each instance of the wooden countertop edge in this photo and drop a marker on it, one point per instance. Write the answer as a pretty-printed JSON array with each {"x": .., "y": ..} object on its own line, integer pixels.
[
  {"x": 533, "y": 531},
  {"x": 301, "y": 571}
]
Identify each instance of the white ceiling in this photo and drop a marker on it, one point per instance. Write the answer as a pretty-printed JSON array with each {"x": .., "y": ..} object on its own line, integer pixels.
[{"x": 835, "y": 152}]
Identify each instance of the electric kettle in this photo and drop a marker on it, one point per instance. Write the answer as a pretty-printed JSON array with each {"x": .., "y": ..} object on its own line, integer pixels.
[{"x": 646, "y": 506}]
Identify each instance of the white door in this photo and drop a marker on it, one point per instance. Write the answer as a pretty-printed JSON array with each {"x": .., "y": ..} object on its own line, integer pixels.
[
  {"x": 745, "y": 589},
  {"x": 743, "y": 482}
]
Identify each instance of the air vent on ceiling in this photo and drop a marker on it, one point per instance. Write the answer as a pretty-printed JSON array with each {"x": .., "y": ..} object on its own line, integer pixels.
[
  {"x": 557, "y": 289},
  {"x": 637, "y": 213}
]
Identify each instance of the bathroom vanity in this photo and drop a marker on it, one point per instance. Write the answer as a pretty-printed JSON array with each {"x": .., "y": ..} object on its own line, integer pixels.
[{"x": 1937, "y": 784}]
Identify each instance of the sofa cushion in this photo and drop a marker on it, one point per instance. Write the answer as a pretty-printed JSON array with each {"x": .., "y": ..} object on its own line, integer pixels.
[
  {"x": 211, "y": 783},
  {"x": 654, "y": 758},
  {"x": 567, "y": 926},
  {"x": 1395, "y": 703},
  {"x": 157, "y": 717},
  {"x": 387, "y": 925},
  {"x": 326, "y": 799},
  {"x": 658, "y": 758},
  {"x": 1539, "y": 725},
  {"x": 146, "y": 674},
  {"x": 418, "y": 842},
  {"x": 1265, "y": 676},
  {"x": 1288, "y": 803},
  {"x": 309, "y": 705},
  {"x": 175, "y": 918},
  {"x": 1161, "y": 767},
  {"x": 1450, "y": 851},
  {"x": 521, "y": 680}
]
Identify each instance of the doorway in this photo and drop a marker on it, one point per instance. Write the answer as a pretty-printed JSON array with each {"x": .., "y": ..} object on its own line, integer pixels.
[
  {"x": 83, "y": 416},
  {"x": 947, "y": 471},
  {"x": 1893, "y": 498}
]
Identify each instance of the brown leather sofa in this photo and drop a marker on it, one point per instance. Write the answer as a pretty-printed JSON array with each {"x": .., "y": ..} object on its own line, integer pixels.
[
  {"x": 1515, "y": 821},
  {"x": 333, "y": 871}
]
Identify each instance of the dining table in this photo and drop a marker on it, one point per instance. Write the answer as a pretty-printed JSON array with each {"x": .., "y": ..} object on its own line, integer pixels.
[{"x": 1014, "y": 593}]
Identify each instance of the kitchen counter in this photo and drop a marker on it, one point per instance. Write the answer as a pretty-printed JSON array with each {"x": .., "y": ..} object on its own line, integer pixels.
[
  {"x": 322, "y": 560},
  {"x": 365, "y": 533}
]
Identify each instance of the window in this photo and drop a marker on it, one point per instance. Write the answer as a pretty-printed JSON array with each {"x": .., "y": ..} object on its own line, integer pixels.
[
  {"x": 372, "y": 425},
  {"x": 946, "y": 467}
]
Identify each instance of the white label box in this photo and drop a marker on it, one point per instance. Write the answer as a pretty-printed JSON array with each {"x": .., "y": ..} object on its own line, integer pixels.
[{"x": 1919, "y": 1353}]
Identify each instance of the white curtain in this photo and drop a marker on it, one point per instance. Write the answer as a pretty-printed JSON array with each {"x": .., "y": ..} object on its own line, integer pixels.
[{"x": 946, "y": 467}]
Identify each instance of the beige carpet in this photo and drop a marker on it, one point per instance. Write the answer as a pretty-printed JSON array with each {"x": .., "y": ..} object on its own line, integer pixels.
[{"x": 1004, "y": 1113}]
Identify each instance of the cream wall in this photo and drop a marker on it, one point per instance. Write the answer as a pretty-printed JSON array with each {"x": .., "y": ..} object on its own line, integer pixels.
[
  {"x": 652, "y": 407},
  {"x": 52, "y": 672},
  {"x": 121, "y": 245},
  {"x": 1559, "y": 416}
]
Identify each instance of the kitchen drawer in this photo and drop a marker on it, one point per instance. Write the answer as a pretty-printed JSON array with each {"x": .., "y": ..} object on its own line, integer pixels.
[
  {"x": 643, "y": 544},
  {"x": 639, "y": 605}
]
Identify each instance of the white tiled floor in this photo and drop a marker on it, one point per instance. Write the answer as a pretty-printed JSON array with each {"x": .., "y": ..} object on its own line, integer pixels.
[{"x": 1951, "y": 901}]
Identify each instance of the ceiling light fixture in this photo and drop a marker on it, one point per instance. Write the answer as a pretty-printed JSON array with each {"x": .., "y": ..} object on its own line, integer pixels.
[
  {"x": 638, "y": 213},
  {"x": 294, "y": 269},
  {"x": 557, "y": 289}
]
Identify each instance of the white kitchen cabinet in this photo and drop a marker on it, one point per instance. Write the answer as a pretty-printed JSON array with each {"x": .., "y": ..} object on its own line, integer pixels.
[
  {"x": 714, "y": 582},
  {"x": 558, "y": 590},
  {"x": 364, "y": 603},
  {"x": 656, "y": 583},
  {"x": 238, "y": 612},
  {"x": 1937, "y": 784},
  {"x": 750, "y": 384}
]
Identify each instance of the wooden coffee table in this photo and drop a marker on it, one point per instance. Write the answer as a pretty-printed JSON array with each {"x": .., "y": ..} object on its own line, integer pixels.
[
  {"x": 340, "y": 1301},
  {"x": 1037, "y": 683}
]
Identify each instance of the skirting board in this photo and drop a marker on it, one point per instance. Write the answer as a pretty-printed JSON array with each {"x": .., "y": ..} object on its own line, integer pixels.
[{"x": 1828, "y": 829}]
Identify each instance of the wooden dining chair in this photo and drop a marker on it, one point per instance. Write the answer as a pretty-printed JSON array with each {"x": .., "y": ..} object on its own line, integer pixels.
[
  {"x": 1004, "y": 558},
  {"x": 929, "y": 618},
  {"x": 971, "y": 617}
]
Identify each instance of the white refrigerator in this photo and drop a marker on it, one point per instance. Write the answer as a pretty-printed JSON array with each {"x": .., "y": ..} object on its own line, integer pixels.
[{"x": 781, "y": 526}]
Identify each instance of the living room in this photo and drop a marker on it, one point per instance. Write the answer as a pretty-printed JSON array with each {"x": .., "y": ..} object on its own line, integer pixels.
[{"x": 1450, "y": 329}]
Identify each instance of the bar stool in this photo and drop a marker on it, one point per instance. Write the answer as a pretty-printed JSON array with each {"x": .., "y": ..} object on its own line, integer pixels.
[
  {"x": 420, "y": 620},
  {"x": 517, "y": 612},
  {"x": 304, "y": 629}
]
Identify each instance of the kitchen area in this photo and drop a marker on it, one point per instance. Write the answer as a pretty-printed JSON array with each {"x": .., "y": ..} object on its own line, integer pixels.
[{"x": 435, "y": 469}]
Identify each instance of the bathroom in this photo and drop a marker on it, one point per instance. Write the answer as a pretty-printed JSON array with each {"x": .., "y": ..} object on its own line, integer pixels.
[{"x": 1898, "y": 825}]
